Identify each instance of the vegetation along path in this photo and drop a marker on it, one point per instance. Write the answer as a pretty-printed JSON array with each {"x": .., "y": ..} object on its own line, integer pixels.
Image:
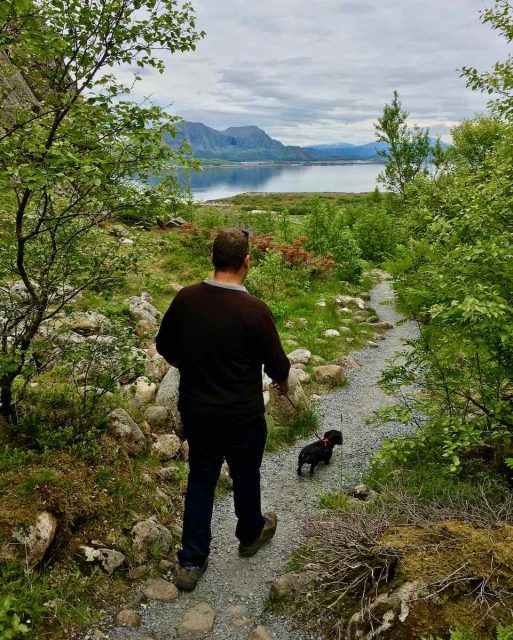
[{"x": 236, "y": 589}]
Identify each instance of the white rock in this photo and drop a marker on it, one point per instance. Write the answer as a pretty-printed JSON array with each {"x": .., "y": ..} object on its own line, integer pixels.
[
  {"x": 145, "y": 390},
  {"x": 151, "y": 536},
  {"x": 38, "y": 539},
  {"x": 300, "y": 356},
  {"x": 109, "y": 559},
  {"x": 350, "y": 300},
  {"x": 140, "y": 308},
  {"x": 127, "y": 430},
  {"x": 166, "y": 446},
  {"x": 331, "y": 333}
]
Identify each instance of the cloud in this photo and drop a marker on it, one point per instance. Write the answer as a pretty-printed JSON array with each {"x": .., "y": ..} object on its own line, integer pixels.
[{"x": 321, "y": 71}]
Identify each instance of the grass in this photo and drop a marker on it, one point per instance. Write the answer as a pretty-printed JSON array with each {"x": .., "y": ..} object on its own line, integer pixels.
[{"x": 301, "y": 425}]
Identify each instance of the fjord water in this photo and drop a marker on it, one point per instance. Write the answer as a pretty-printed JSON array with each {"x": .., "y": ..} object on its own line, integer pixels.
[{"x": 222, "y": 182}]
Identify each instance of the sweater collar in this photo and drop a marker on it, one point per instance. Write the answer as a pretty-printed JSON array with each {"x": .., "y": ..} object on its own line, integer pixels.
[{"x": 221, "y": 285}]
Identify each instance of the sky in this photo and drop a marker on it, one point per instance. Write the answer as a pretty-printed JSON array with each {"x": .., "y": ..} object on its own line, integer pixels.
[{"x": 320, "y": 71}]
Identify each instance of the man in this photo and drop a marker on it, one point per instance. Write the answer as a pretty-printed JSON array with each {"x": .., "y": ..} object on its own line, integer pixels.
[{"x": 219, "y": 336}]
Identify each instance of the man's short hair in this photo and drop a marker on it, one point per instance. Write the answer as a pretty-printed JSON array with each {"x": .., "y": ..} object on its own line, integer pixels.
[{"x": 230, "y": 248}]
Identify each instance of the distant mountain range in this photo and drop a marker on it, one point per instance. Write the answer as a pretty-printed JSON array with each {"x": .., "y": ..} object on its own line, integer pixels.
[{"x": 253, "y": 144}]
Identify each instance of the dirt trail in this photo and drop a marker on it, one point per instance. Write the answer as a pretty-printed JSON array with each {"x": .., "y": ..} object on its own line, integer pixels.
[{"x": 237, "y": 588}]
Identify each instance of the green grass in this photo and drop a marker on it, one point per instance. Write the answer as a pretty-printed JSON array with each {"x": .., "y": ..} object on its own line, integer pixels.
[{"x": 303, "y": 424}]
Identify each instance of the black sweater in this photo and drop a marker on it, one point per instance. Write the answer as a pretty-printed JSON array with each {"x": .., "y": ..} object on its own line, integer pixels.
[{"x": 219, "y": 338}]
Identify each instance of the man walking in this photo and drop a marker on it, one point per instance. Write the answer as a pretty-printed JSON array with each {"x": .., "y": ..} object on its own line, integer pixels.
[{"x": 219, "y": 336}]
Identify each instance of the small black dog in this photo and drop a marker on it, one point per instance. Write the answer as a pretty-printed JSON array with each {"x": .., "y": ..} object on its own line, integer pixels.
[{"x": 320, "y": 451}]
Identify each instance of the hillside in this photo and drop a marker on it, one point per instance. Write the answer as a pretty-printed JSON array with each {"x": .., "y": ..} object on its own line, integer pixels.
[{"x": 253, "y": 144}]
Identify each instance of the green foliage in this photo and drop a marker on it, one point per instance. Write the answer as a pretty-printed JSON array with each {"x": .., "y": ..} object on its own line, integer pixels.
[
  {"x": 273, "y": 277},
  {"x": 10, "y": 622},
  {"x": 376, "y": 232},
  {"x": 408, "y": 149},
  {"x": 303, "y": 424},
  {"x": 76, "y": 157},
  {"x": 328, "y": 234}
]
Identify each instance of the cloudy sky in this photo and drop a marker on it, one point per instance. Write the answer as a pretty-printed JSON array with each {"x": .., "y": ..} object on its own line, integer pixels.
[{"x": 320, "y": 71}]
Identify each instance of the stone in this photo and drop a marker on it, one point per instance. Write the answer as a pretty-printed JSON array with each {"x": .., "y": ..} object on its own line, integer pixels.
[
  {"x": 198, "y": 621},
  {"x": 141, "y": 309},
  {"x": 175, "y": 287},
  {"x": 288, "y": 324},
  {"x": 141, "y": 571},
  {"x": 157, "y": 416},
  {"x": 346, "y": 362},
  {"x": 331, "y": 374},
  {"x": 372, "y": 319},
  {"x": 345, "y": 330},
  {"x": 127, "y": 430},
  {"x": 321, "y": 303},
  {"x": 302, "y": 321},
  {"x": 145, "y": 390},
  {"x": 364, "y": 295},
  {"x": 31, "y": 546},
  {"x": 317, "y": 360},
  {"x": 168, "y": 473},
  {"x": 291, "y": 584},
  {"x": 383, "y": 325},
  {"x": 300, "y": 375},
  {"x": 167, "y": 395},
  {"x": 301, "y": 356},
  {"x": 299, "y": 365},
  {"x": 160, "y": 589},
  {"x": 331, "y": 333},
  {"x": 166, "y": 446},
  {"x": 259, "y": 633},
  {"x": 184, "y": 450},
  {"x": 348, "y": 301},
  {"x": 84, "y": 322},
  {"x": 152, "y": 536},
  {"x": 109, "y": 559},
  {"x": 378, "y": 336},
  {"x": 128, "y": 618},
  {"x": 156, "y": 366},
  {"x": 98, "y": 634},
  {"x": 373, "y": 345},
  {"x": 127, "y": 241},
  {"x": 291, "y": 343}
]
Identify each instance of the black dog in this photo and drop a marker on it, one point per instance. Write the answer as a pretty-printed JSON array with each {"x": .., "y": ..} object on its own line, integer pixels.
[{"x": 320, "y": 451}]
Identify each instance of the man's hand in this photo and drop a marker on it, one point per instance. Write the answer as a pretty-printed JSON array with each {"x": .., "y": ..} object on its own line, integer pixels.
[{"x": 281, "y": 387}]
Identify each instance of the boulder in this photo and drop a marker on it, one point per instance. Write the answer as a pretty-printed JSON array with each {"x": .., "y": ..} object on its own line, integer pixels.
[
  {"x": 331, "y": 333},
  {"x": 166, "y": 446},
  {"x": 31, "y": 545},
  {"x": 156, "y": 366},
  {"x": 108, "y": 559},
  {"x": 292, "y": 584},
  {"x": 167, "y": 395},
  {"x": 301, "y": 356},
  {"x": 346, "y": 362},
  {"x": 84, "y": 322},
  {"x": 299, "y": 365},
  {"x": 141, "y": 310},
  {"x": 317, "y": 360},
  {"x": 150, "y": 536},
  {"x": 145, "y": 390},
  {"x": 331, "y": 374},
  {"x": 348, "y": 301},
  {"x": 300, "y": 375},
  {"x": 128, "y": 431},
  {"x": 158, "y": 417},
  {"x": 198, "y": 621},
  {"x": 160, "y": 589}
]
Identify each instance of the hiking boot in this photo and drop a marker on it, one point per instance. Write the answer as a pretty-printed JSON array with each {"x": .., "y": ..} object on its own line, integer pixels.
[
  {"x": 187, "y": 577},
  {"x": 271, "y": 522}
]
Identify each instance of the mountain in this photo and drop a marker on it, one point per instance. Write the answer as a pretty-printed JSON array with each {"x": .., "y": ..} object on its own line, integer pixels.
[
  {"x": 239, "y": 144},
  {"x": 346, "y": 151}
]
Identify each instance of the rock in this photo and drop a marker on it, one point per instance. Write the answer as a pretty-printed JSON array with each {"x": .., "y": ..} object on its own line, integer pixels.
[
  {"x": 373, "y": 319},
  {"x": 166, "y": 446},
  {"x": 299, "y": 365},
  {"x": 362, "y": 492},
  {"x": 288, "y": 324},
  {"x": 168, "y": 473},
  {"x": 98, "y": 634},
  {"x": 127, "y": 430},
  {"x": 300, "y": 375},
  {"x": 157, "y": 416},
  {"x": 156, "y": 367},
  {"x": 329, "y": 374},
  {"x": 321, "y": 303},
  {"x": 301, "y": 356},
  {"x": 145, "y": 390},
  {"x": 127, "y": 242},
  {"x": 291, "y": 343},
  {"x": 32, "y": 545},
  {"x": 259, "y": 633},
  {"x": 128, "y": 618},
  {"x": 346, "y": 362},
  {"x": 365, "y": 295},
  {"x": 198, "y": 621},
  {"x": 345, "y": 330},
  {"x": 184, "y": 450},
  {"x": 109, "y": 559},
  {"x": 167, "y": 395},
  {"x": 331, "y": 333},
  {"x": 160, "y": 589},
  {"x": 317, "y": 360},
  {"x": 383, "y": 325},
  {"x": 141, "y": 309},
  {"x": 151, "y": 536},
  {"x": 302, "y": 321},
  {"x": 373, "y": 345},
  {"x": 291, "y": 584},
  {"x": 84, "y": 322},
  {"x": 350, "y": 301},
  {"x": 141, "y": 571}
]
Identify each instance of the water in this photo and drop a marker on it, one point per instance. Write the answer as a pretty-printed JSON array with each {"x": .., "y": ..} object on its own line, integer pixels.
[{"x": 223, "y": 182}]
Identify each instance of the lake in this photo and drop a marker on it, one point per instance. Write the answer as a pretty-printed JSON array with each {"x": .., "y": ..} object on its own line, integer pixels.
[{"x": 223, "y": 182}]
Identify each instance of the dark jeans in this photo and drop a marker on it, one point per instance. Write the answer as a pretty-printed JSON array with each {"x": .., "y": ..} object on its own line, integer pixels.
[{"x": 211, "y": 440}]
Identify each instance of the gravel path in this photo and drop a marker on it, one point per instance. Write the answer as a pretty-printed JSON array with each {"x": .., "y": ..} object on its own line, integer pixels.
[{"x": 237, "y": 588}]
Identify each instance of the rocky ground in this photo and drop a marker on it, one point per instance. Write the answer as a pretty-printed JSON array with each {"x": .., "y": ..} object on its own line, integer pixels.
[{"x": 229, "y": 602}]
